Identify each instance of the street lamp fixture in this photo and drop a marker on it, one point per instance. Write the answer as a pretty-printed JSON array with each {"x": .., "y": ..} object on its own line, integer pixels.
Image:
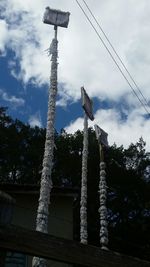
[
  {"x": 101, "y": 135},
  {"x": 56, "y": 17},
  {"x": 87, "y": 104}
]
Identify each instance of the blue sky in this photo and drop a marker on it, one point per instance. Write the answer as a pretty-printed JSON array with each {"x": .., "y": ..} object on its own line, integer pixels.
[
  {"x": 30, "y": 105},
  {"x": 25, "y": 65}
]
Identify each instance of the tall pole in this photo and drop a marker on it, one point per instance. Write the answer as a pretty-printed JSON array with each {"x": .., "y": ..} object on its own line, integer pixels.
[
  {"x": 46, "y": 180},
  {"x": 83, "y": 202},
  {"x": 101, "y": 136},
  {"x": 102, "y": 199},
  {"x": 88, "y": 113}
]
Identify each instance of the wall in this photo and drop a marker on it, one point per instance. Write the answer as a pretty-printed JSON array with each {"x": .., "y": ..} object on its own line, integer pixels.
[{"x": 60, "y": 216}]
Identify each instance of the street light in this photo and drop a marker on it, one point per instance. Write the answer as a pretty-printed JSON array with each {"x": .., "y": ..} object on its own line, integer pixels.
[{"x": 56, "y": 18}]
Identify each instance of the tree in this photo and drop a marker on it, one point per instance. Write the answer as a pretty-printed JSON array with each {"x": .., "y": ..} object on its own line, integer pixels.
[
  {"x": 19, "y": 146},
  {"x": 128, "y": 198},
  {"x": 128, "y": 179}
]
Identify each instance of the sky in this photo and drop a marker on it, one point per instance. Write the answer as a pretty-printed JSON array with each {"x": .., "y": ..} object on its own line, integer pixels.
[{"x": 83, "y": 61}]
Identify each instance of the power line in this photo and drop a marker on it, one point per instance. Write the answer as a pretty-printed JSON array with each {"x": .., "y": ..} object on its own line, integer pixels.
[
  {"x": 112, "y": 57},
  {"x": 100, "y": 27}
]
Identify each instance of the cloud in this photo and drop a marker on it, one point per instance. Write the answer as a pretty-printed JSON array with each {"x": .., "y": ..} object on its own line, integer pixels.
[
  {"x": 75, "y": 125},
  {"x": 13, "y": 100},
  {"x": 3, "y": 36},
  {"x": 82, "y": 58},
  {"x": 63, "y": 98},
  {"x": 121, "y": 132},
  {"x": 24, "y": 38},
  {"x": 35, "y": 120},
  {"x": 83, "y": 61}
]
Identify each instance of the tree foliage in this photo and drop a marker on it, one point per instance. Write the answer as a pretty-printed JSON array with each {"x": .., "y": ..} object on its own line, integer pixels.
[
  {"x": 128, "y": 178},
  {"x": 21, "y": 151}
]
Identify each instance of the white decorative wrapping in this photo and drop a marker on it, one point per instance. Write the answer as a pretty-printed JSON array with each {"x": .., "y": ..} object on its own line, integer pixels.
[
  {"x": 103, "y": 209},
  {"x": 83, "y": 202},
  {"x": 46, "y": 181}
]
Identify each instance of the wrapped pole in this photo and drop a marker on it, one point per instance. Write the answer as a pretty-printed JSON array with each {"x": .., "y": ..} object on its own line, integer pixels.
[
  {"x": 57, "y": 18},
  {"x": 83, "y": 202},
  {"x": 46, "y": 180},
  {"x": 101, "y": 136},
  {"x": 88, "y": 113},
  {"x": 102, "y": 200}
]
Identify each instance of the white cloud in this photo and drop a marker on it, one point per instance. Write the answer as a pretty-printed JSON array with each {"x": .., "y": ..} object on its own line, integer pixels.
[
  {"x": 35, "y": 120},
  {"x": 64, "y": 98},
  {"x": 82, "y": 58},
  {"x": 75, "y": 125},
  {"x": 3, "y": 36},
  {"x": 121, "y": 132},
  {"x": 13, "y": 100}
]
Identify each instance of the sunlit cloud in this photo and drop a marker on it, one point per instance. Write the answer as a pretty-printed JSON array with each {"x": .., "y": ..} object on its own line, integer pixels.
[
  {"x": 35, "y": 120},
  {"x": 121, "y": 132}
]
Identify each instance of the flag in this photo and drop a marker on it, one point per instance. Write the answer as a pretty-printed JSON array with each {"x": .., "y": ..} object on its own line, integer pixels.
[
  {"x": 87, "y": 104},
  {"x": 101, "y": 135}
]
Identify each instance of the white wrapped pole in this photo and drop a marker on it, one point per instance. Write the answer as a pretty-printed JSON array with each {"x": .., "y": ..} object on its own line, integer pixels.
[
  {"x": 46, "y": 180},
  {"x": 101, "y": 136},
  {"x": 102, "y": 199},
  {"x": 88, "y": 108},
  {"x": 83, "y": 202}
]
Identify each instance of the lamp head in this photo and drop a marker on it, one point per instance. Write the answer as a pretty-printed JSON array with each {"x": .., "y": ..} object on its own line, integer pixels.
[{"x": 56, "y": 17}]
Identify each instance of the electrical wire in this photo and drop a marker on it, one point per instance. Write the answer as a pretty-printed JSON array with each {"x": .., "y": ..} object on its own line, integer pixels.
[
  {"x": 114, "y": 50},
  {"x": 112, "y": 57}
]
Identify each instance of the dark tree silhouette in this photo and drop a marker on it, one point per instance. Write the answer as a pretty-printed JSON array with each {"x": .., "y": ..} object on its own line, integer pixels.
[{"x": 128, "y": 179}]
